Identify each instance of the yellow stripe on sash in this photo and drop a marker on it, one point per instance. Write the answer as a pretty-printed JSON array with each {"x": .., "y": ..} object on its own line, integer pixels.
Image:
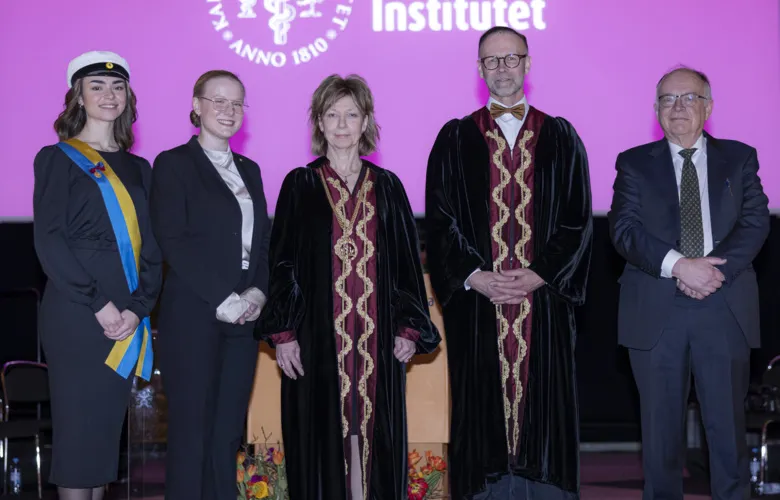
[
  {"x": 119, "y": 351},
  {"x": 125, "y": 202}
]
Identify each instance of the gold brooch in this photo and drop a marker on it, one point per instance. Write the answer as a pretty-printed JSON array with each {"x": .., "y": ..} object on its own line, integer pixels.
[{"x": 109, "y": 65}]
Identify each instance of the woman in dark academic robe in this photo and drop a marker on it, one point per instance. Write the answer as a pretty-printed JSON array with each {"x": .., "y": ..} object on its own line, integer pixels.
[
  {"x": 94, "y": 241},
  {"x": 347, "y": 308},
  {"x": 209, "y": 215}
]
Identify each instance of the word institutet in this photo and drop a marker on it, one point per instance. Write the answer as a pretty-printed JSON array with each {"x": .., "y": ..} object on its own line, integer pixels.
[{"x": 463, "y": 15}]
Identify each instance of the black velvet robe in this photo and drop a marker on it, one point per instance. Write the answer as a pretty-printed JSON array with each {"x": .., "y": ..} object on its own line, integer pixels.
[
  {"x": 301, "y": 301},
  {"x": 458, "y": 242}
]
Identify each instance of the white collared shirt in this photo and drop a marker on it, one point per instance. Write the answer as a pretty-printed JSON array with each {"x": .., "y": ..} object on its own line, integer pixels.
[
  {"x": 510, "y": 126},
  {"x": 234, "y": 306},
  {"x": 225, "y": 165},
  {"x": 699, "y": 159}
]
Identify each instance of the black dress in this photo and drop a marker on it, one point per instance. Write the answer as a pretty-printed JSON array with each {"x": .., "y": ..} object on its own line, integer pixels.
[{"x": 77, "y": 249}]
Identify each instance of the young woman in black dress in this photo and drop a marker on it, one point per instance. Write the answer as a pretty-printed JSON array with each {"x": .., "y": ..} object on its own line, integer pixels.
[{"x": 94, "y": 241}]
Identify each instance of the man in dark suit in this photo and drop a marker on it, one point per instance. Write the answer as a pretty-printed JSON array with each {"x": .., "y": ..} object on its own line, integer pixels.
[{"x": 689, "y": 216}]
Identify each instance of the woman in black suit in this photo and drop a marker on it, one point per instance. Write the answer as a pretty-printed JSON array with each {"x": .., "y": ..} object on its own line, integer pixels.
[
  {"x": 94, "y": 240},
  {"x": 210, "y": 218}
]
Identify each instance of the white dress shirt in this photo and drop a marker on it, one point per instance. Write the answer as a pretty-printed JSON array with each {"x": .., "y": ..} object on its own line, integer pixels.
[
  {"x": 510, "y": 127},
  {"x": 236, "y": 305},
  {"x": 226, "y": 168},
  {"x": 700, "y": 162}
]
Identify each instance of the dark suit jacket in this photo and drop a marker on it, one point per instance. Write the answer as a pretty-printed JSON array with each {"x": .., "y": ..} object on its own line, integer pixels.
[
  {"x": 644, "y": 224},
  {"x": 197, "y": 223}
]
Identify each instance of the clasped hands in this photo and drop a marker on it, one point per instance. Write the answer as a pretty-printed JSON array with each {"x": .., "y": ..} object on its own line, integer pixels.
[
  {"x": 117, "y": 325},
  {"x": 255, "y": 300},
  {"x": 240, "y": 309},
  {"x": 252, "y": 312},
  {"x": 505, "y": 287},
  {"x": 699, "y": 278}
]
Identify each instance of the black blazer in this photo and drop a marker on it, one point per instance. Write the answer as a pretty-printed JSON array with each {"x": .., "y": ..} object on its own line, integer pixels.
[
  {"x": 644, "y": 224},
  {"x": 197, "y": 222}
]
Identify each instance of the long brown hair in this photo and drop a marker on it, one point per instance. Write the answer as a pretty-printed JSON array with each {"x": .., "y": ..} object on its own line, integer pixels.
[{"x": 71, "y": 121}]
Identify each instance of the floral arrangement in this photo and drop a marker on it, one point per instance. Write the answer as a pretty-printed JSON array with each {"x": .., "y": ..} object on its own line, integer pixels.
[
  {"x": 425, "y": 479},
  {"x": 261, "y": 472}
]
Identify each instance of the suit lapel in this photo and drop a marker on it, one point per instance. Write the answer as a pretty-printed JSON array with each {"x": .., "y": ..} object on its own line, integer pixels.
[
  {"x": 717, "y": 176},
  {"x": 208, "y": 171},
  {"x": 663, "y": 172}
]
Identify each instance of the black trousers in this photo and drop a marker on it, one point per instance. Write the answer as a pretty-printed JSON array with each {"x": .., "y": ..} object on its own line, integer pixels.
[
  {"x": 512, "y": 487},
  {"x": 704, "y": 339},
  {"x": 207, "y": 369}
]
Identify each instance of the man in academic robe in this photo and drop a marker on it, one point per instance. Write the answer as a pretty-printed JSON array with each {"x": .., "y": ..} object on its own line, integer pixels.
[{"x": 509, "y": 231}]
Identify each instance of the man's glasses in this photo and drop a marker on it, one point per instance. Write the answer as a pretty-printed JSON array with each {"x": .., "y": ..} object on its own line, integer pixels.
[
  {"x": 687, "y": 100},
  {"x": 510, "y": 61}
]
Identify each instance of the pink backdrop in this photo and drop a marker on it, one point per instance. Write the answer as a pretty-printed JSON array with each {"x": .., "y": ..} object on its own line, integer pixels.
[{"x": 595, "y": 62}]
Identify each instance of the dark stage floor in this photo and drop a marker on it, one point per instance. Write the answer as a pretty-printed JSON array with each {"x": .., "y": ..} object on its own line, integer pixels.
[{"x": 605, "y": 476}]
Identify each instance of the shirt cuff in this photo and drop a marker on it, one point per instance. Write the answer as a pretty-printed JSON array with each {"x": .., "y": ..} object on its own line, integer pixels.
[
  {"x": 231, "y": 308},
  {"x": 282, "y": 337},
  {"x": 256, "y": 297},
  {"x": 669, "y": 261},
  {"x": 409, "y": 334},
  {"x": 466, "y": 283}
]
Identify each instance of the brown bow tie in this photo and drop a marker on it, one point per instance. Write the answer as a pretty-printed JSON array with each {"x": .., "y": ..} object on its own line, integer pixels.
[{"x": 517, "y": 111}]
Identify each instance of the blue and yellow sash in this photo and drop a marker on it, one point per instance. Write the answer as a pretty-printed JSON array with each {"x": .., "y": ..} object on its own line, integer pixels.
[{"x": 135, "y": 350}]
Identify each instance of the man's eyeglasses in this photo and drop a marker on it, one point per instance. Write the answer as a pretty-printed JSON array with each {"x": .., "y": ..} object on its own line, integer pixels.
[
  {"x": 510, "y": 61},
  {"x": 222, "y": 104},
  {"x": 687, "y": 100}
]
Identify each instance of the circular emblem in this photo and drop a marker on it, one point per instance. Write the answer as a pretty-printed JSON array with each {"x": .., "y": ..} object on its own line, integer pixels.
[
  {"x": 279, "y": 33},
  {"x": 109, "y": 65}
]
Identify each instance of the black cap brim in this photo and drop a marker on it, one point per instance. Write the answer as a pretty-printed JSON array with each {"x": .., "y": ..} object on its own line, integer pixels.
[{"x": 100, "y": 69}]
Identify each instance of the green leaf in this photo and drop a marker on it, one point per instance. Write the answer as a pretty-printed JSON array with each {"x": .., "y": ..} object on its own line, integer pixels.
[{"x": 433, "y": 482}]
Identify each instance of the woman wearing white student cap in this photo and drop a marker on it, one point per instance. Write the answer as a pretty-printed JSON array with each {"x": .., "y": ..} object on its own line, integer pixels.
[{"x": 94, "y": 241}]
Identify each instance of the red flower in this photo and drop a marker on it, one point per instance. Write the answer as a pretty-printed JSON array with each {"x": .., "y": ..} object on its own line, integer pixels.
[
  {"x": 417, "y": 489},
  {"x": 436, "y": 462},
  {"x": 414, "y": 458}
]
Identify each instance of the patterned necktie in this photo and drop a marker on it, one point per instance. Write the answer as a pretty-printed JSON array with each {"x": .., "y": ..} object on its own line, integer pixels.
[
  {"x": 691, "y": 229},
  {"x": 517, "y": 111}
]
